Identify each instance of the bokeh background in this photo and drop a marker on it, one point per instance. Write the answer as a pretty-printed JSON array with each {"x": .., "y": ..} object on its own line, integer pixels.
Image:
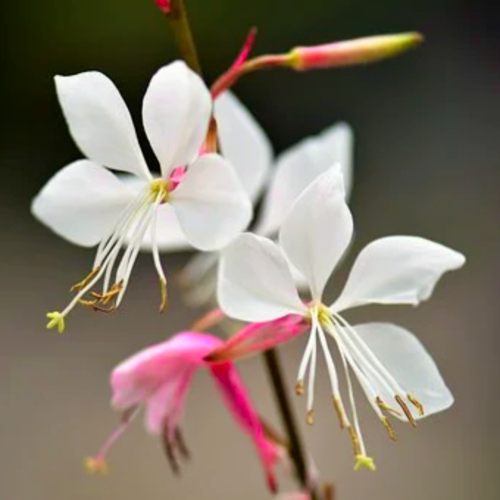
[{"x": 427, "y": 162}]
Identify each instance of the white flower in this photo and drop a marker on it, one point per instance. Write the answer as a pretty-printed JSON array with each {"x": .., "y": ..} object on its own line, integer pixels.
[
  {"x": 245, "y": 144},
  {"x": 256, "y": 284},
  {"x": 197, "y": 197}
]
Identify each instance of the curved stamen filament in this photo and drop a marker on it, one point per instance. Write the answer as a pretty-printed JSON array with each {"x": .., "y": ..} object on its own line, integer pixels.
[
  {"x": 337, "y": 400},
  {"x": 368, "y": 359},
  {"x": 312, "y": 377}
]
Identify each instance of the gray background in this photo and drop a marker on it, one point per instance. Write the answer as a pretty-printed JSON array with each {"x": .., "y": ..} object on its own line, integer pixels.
[{"x": 427, "y": 163}]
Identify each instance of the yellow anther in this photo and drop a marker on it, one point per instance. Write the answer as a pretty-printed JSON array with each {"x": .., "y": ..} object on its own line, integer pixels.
[
  {"x": 56, "y": 320},
  {"x": 299, "y": 388},
  {"x": 389, "y": 428},
  {"x": 337, "y": 404},
  {"x": 362, "y": 461},
  {"x": 355, "y": 441},
  {"x": 85, "y": 281},
  {"x": 406, "y": 411},
  {"x": 417, "y": 404},
  {"x": 96, "y": 465},
  {"x": 384, "y": 406},
  {"x": 310, "y": 417},
  {"x": 164, "y": 295}
]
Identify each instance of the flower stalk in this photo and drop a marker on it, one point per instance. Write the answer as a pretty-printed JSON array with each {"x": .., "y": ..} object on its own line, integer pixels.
[
  {"x": 177, "y": 15},
  {"x": 274, "y": 370},
  {"x": 331, "y": 55}
]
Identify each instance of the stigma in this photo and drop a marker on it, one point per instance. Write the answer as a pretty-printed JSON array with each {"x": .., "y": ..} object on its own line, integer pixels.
[{"x": 116, "y": 255}]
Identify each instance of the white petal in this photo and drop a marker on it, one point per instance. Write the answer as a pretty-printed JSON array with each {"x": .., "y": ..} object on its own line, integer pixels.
[
  {"x": 397, "y": 270},
  {"x": 409, "y": 363},
  {"x": 100, "y": 122},
  {"x": 318, "y": 230},
  {"x": 176, "y": 112},
  {"x": 255, "y": 283},
  {"x": 212, "y": 206},
  {"x": 81, "y": 202},
  {"x": 298, "y": 166},
  {"x": 244, "y": 143}
]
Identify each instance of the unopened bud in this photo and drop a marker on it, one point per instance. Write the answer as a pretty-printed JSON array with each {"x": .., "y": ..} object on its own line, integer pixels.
[
  {"x": 351, "y": 52},
  {"x": 164, "y": 5}
]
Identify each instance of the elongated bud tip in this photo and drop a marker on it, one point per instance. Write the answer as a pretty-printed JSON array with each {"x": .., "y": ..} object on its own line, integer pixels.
[
  {"x": 164, "y": 5},
  {"x": 351, "y": 52}
]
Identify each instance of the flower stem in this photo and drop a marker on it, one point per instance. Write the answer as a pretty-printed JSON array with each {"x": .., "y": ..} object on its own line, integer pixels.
[
  {"x": 184, "y": 39},
  {"x": 273, "y": 366},
  {"x": 182, "y": 33}
]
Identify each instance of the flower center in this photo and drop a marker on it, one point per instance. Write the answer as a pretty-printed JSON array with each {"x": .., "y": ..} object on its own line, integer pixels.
[{"x": 160, "y": 190}]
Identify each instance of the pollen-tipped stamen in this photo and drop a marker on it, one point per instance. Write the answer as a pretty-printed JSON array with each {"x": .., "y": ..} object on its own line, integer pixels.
[
  {"x": 417, "y": 404},
  {"x": 406, "y": 410},
  {"x": 299, "y": 388},
  {"x": 339, "y": 408},
  {"x": 389, "y": 428},
  {"x": 85, "y": 281}
]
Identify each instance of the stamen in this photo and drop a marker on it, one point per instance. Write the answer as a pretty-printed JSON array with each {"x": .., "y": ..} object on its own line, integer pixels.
[
  {"x": 332, "y": 372},
  {"x": 389, "y": 428},
  {"x": 417, "y": 404},
  {"x": 299, "y": 388},
  {"x": 356, "y": 447},
  {"x": 406, "y": 410},
  {"x": 339, "y": 408},
  {"x": 383, "y": 406},
  {"x": 310, "y": 417},
  {"x": 85, "y": 281},
  {"x": 305, "y": 359},
  {"x": 164, "y": 295}
]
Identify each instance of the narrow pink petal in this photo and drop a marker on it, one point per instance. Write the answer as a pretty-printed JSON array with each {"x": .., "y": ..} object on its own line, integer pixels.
[
  {"x": 240, "y": 405},
  {"x": 258, "y": 337}
]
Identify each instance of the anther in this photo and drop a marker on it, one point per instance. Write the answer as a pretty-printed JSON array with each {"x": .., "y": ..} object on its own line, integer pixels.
[
  {"x": 389, "y": 428},
  {"x": 384, "y": 406},
  {"x": 164, "y": 295},
  {"x": 337, "y": 404},
  {"x": 355, "y": 442},
  {"x": 299, "y": 388},
  {"x": 310, "y": 417},
  {"x": 406, "y": 411},
  {"x": 417, "y": 404},
  {"x": 85, "y": 281}
]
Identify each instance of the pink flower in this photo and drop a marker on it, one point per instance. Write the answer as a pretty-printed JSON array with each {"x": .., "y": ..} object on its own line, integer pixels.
[{"x": 158, "y": 379}]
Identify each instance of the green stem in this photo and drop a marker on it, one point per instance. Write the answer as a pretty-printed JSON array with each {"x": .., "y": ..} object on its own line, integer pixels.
[
  {"x": 182, "y": 33},
  {"x": 296, "y": 450}
]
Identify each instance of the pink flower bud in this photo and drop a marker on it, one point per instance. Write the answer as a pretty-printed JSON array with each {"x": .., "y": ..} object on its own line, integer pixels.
[
  {"x": 164, "y": 5},
  {"x": 358, "y": 51}
]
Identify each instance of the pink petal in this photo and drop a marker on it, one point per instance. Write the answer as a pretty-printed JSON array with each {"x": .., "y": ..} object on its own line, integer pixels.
[
  {"x": 258, "y": 337},
  {"x": 240, "y": 405},
  {"x": 142, "y": 375}
]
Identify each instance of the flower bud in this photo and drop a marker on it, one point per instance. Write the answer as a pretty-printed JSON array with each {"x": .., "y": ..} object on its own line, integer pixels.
[
  {"x": 164, "y": 6},
  {"x": 347, "y": 53}
]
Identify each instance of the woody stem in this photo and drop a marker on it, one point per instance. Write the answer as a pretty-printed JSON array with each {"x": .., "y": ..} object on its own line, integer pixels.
[{"x": 275, "y": 372}]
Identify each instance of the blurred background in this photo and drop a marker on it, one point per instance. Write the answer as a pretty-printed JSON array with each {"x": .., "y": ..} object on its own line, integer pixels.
[{"x": 427, "y": 162}]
